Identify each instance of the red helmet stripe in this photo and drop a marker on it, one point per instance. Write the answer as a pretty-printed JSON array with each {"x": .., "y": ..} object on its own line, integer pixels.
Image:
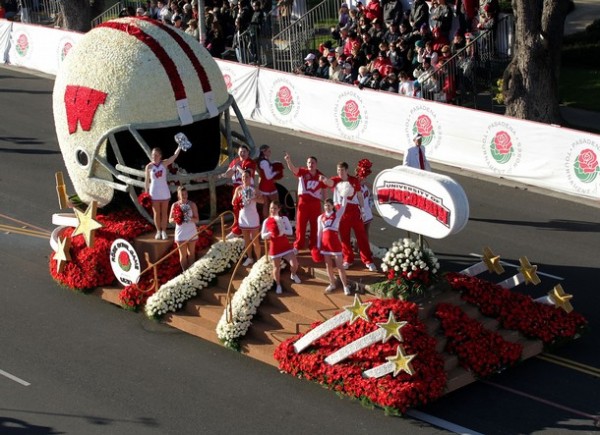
[
  {"x": 157, "y": 49},
  {"x": 187, "y": 50}
]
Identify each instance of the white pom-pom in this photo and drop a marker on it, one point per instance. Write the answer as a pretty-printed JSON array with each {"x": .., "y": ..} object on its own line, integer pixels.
[
  {"x": 183, "y": 142},
  {"x": 345, "y": 189}
]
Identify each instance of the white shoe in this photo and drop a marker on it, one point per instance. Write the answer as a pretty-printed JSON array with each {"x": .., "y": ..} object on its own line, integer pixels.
[
  {"x": 372, "y": 267},
  {"x": 283, "y": 265},
  {"x": 295, "y": 278},
  {"x": 248, "y": 262},
  {"x": 330, "y": 288},
  {"x": 295, "y": 251},
  {"x": 346, "y": 265},
  {"x": 163, "y": 235},
  {"x": 231, "y": 236},
  {"x": 347, "y": 291},
  {"x": 278, "y": 290},
  {"x": 157, "y": 236}
]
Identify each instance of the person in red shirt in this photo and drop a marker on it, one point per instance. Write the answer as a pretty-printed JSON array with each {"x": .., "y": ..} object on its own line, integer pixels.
[
  {"x": 310, "y": 195},
  {"x": 352, "y": 220},
  {"x": 236, "y": 168},
  {"x": 268, "y": 173}
]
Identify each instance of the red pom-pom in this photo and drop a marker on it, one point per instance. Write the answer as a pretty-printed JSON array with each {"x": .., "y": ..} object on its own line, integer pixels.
[{"x": 145, "y": 200}]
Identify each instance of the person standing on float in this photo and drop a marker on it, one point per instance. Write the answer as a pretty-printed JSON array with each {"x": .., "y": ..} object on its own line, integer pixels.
[
  {"x": 353, "y": 218},
  {"x": 158, "y": 189},
  {"x": 185, "y": 221},
  {"x": 310, "y": 195},
  {"x": 267, "y": 174},
  {"x": 236, "y": 168},
  {"x": 415, "y": 155}
]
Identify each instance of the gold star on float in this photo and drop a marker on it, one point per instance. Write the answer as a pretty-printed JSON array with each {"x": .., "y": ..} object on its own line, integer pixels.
[
  {"x": 561, "y": 299},
  {"x": 358, "y": 310},
  {"x": 528, "y": 271},
  {"x": 87, "y": 224},
  {"x": 392, "y": 328},
  {"x": 401, "y": 362},
  {"x": 492, "y": 261},
  {"x": 63, "y": 253}
]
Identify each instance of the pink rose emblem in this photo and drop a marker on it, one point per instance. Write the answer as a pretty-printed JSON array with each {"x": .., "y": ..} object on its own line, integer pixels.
[
  {"x": 424, "y": 125},
  {"x": 22, "y": 44},
  {"x": 588, "y": 161},
  {"x": 352, "y": 111},
  {"x": 227, "y": 79},
  {"x": 503, "y": 142},
  {"x": 285, "y": 96},
  {"x": 65, "y": 50}
]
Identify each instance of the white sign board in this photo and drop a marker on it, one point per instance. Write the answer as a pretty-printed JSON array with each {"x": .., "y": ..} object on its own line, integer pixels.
[
  {"x": 421, "y": 202},
  {"x": 125, "y": 262}
]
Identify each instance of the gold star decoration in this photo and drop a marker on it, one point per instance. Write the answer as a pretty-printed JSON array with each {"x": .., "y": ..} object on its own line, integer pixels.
[
  {"x": 560, "y": 298},
  {"x": 492, "y": 261},
  {"x": 392, "y": 328},
  {"x": 528, "y": 271},
  {"x": 87, "y": 224},
  {"x": 358, "y": 309},
  {"x": 63, "y": 253},
  {"x": 402, "y": 361}
]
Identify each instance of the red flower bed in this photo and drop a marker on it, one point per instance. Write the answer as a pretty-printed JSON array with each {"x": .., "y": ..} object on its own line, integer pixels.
[
  {"x": 547, "y": 323},
  {"x": 393, "y": 393},
  {"x": 481, "y": 351},
  {"x": 90, "y": 267}
]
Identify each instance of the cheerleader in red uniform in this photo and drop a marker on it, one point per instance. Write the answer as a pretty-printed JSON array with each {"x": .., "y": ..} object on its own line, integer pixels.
[
  {"x": 330, "y": 245},
  {"x": 268, "y": 173},
  {"x": 276, "y": 230}
]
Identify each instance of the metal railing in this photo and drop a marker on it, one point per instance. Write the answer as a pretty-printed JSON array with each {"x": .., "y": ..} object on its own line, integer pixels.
[
  {"x": 44, "y": 12},
  {"x": 290, "y": 45},
  {"x": 154, "y": 266},
  {"x": 114, "y": 11}
]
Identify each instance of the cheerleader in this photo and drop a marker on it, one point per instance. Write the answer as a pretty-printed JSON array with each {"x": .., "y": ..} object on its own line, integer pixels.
[
  {"x": 158, "y": 189},
  {"x": 276, "y": 229},
  {"x": 362, "y": 171},
  {"x": 245, "y": 198},
  {"x": 268, "y": 173},
  {"x": 330, "y": 245},
  {"x": 184, "y": 214}
]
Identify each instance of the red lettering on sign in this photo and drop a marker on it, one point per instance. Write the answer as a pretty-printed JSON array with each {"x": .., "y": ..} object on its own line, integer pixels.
[
  {"x": 81, "y": 104},
  {"x": 401, "y": 196}
]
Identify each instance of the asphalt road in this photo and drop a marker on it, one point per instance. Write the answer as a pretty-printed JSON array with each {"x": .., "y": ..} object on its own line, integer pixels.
[{"x": 94, "y": 368}]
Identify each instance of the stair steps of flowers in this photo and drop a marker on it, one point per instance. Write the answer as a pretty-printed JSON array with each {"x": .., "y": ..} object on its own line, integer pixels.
[
  {"x": 309, "y": 300},
  {"x": 193, "y": 325},
  {"x": 155, "y": 248},
  {"x": 223, "y": 280},
  {"x": 458, "y": 378},
  {"x": 199, "y": 307},
  {"x": 427, "y": 306},
  {"x": 531, "y": 348},
  {"x": 212, "y": 296},
  {"x": 450, "y": 362},
  {"x": 283, "y": 319},
  {"x": 108, "y": 294},
  {"x": 261, "y": 350},
  {"x": 263, "y": 334}
]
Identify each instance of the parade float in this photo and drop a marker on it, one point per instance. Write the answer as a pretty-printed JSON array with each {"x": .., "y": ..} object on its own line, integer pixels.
[{"x": 132, "y": 84}]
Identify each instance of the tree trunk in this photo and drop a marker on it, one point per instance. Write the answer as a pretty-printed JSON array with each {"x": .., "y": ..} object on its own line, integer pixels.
[
  {"x": 530, "y": 85},
  {"x": 76, "y": 14}
]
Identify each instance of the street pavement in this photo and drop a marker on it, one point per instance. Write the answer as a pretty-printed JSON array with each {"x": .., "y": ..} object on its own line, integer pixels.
[{"x": 96, "y": 369}]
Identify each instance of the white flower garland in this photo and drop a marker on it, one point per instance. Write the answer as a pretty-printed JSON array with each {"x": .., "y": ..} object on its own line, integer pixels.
[
  {"x": 405, "y": 256},
  {"x": 245, "y": 302},
  {"x": 173, "y": 294}
]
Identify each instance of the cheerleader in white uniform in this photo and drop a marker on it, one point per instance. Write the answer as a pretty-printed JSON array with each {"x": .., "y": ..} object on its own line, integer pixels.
[
  {"x": 158, "y": 189},
  {"x": 276, "y": 230},
  {"x": 246, "y": 197},
  {"x": 184, "y": 214},
  {"x": 329, "y": 243},
  {"x": 362, "y": 171}
]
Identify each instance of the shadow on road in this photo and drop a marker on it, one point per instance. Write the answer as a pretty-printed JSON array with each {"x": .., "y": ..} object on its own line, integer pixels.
[{"x": 554, "y": 224}]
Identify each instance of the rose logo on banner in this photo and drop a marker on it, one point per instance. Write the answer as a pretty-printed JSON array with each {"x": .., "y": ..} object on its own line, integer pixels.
[
  {"x": 350, "y": 115},
  {"x": 586, "y": 165},
  {"x": 124, "y": 261},
  {"x": 228, "y": 82},
  {"x": 65, "y": 50},
  {"x": 22, "y": 45},
  {"x": 501, "y": 147},
  {"x": 582, "y": 168},
  {"x": 284, "y": 100},
  {"x": 424, "y": 126}
]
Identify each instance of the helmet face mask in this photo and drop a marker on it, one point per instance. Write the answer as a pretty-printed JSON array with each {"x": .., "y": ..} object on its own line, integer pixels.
[{"x": 128, "y": 86}]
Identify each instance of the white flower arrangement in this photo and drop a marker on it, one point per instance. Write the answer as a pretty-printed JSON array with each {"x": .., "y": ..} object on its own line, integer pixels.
[
  {"x": 171, "y": 296},
  {"x": 409, "y": 268},
  {"x": 245, "y": 302}
]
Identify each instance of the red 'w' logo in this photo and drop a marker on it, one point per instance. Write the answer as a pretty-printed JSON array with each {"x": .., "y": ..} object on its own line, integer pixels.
[{"x": 81, "y": 104}]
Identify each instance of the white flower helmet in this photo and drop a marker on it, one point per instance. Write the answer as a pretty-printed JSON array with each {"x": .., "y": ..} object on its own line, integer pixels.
[{"x": 130, "y": 85}]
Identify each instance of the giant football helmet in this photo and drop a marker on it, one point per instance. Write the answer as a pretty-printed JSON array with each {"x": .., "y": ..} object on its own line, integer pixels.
[{"x": 127, "y": 86}]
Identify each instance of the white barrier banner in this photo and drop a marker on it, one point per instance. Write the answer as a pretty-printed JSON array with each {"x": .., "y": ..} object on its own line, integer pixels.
[
  {"x": 40, "y": 48},
  {"x": 242, "y": 82},
  {"x": 5, "y": 31}
]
